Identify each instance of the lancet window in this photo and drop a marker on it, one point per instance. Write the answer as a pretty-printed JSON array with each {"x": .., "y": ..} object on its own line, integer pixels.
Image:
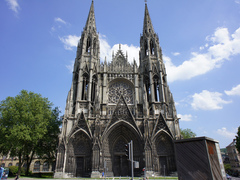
[
  {"x": 94, "y": 86},
  {"x": 146, "y": 48},
  {"x": 85, "y": 86},
  {"x": 156, "y": 88},
  {"x": 148, "y": 90},
  {"x": 95, "y": 47},
  {"x": 88, "y": 47},
  {"x": 151, "y": 47}
]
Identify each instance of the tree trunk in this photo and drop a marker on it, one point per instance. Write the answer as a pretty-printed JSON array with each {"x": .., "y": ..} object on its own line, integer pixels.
[
  {"x": 29, "y": 161},
  {"x": 19, "y": 163}
]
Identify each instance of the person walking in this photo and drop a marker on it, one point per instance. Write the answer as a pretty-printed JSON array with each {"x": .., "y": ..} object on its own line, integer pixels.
[
  {"x": 1, "y": 172},
  {"x": 16, "y": 177}
]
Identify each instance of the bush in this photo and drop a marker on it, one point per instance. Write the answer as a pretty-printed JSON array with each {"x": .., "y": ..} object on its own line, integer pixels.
[
  {"x": 47, "y": 175},
  {"x": 227, "y": 168},
  {"x": 13, "y": 170}
]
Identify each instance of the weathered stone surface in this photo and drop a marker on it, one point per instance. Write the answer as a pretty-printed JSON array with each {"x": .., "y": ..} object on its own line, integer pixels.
[{"x": 110, "y": 104}]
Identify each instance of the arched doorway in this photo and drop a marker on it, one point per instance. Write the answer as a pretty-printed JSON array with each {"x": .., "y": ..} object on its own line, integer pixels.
[
  {"x": 121, "y": 165},
  {"x": 164, "y": 149},
  {"x": 79, "y": 155},
  {"x": 114, "y": 149}
]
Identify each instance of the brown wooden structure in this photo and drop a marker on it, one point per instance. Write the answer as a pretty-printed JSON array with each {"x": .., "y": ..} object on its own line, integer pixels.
[{"x": 199, "y": 159}]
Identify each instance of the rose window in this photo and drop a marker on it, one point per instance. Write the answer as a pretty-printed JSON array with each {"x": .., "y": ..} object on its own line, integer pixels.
[{"x": 119, "y": 88}]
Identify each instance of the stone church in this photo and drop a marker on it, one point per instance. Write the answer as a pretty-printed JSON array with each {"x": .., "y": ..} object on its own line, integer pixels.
[{"x": 111, "y": 103}]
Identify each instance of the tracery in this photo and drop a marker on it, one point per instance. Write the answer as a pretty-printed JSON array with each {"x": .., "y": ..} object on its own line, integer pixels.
[{"x": 120, "y": 88}]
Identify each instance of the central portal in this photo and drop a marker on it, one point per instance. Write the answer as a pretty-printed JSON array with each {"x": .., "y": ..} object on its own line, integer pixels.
[
  {"x": 121, "y": 165},
  {"x": 80, "y": 167},
  {"x": 117, "y": 162}
]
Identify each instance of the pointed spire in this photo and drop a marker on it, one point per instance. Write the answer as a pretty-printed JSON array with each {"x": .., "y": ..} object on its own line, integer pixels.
[
  {"x": 91, "y": 24},
  {"x": 147, "y": 24}
]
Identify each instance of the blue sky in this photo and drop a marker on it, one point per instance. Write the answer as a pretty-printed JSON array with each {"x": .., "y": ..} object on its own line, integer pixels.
[{"x": 200, "y": 42}]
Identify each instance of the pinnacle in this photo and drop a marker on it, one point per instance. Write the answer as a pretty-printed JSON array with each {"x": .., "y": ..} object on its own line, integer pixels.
[{"x": 147, "y": 24}]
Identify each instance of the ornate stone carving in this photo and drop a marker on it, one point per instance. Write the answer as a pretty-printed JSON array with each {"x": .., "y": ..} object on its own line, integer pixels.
[
  {"x": 111, "y": 103},
  {"x": 118, "y": 89}
]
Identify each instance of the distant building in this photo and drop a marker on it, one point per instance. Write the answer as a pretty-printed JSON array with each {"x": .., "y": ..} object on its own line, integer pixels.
[
  {"x": 38, "y": 166},
  {"x": 234, "y": 156},
  {"x": 224, "y": 155},
  {"x": 111, "y": 103}
]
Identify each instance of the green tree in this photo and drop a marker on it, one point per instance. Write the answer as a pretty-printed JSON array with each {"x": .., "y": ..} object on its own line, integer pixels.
[
  {"x": 28, "y": 126},
  {"x": 187, "y": 133},
  {"x": 238, "y": 140},
  {"x": 227, "y": 168}
]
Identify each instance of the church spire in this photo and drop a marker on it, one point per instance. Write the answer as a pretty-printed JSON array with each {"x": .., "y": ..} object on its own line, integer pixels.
[
  {"x": 147, "y": 24},
  {"x": 91, "y": 24}
]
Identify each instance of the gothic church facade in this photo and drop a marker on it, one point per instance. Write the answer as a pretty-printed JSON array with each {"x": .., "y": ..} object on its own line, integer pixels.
[{"x": 110, "y": 104}]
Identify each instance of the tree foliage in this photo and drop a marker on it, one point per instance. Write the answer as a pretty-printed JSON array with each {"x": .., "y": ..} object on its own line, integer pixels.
[
  {"x": 238, "y": 140},
  {"x": 227, "y": 167},
  {"x": 28, "y": 126},
  {"x": 187, "y": 133}
]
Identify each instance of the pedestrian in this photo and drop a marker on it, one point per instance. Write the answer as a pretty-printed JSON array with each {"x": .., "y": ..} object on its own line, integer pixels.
[
  {"x": 1, "y": 172},
  {"x": 16, "y": 177},
  {"x": 102, "y": 174}
]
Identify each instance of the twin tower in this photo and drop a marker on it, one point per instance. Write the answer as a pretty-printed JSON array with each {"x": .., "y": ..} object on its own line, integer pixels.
[{"x": 110, "y": 104}]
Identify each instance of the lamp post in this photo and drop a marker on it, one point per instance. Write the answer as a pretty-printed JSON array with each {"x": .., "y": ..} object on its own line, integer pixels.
[
  {"x": 131, "y": 150},
  {"x": 129, "y": 154}
]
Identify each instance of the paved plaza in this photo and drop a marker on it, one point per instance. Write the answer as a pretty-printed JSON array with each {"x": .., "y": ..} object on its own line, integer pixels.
[
  {"x": 115, "y": 178},
  {"x": 108, "y": 178}
]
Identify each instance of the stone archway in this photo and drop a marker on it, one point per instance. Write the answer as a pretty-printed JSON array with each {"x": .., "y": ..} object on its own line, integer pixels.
[
  {"x": 121, "y": 165},
  {"x": 164, "y": 154},
  {"x": 114, "y": 150},
  {"x": 79, "y": 153}
]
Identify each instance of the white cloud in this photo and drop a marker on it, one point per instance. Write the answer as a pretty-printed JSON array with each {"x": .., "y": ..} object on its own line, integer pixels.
[
  {"x": 58, "y": 24},
  {"x": 106, "y": 50},
  {"x": 226, "y": 133},
  {"x": 53, "y": 29},
  {"x": 176, "y": 53},
  {"x": 208, "y": 101},
  {"x": 222, "y": 47},
  {"x": 237, "y": 1},
  {"x": 70, "y": 41},
  {"x": 70, "y": 66},
  {"x": 177, "y": 103},
  {"x": 234, "y": 91},
  {"x": 13, "y": 5},
  {"x": 185, "y": 117},
  {"x": 131, "y": 50},
  {"x": 59, "y": 20}
]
